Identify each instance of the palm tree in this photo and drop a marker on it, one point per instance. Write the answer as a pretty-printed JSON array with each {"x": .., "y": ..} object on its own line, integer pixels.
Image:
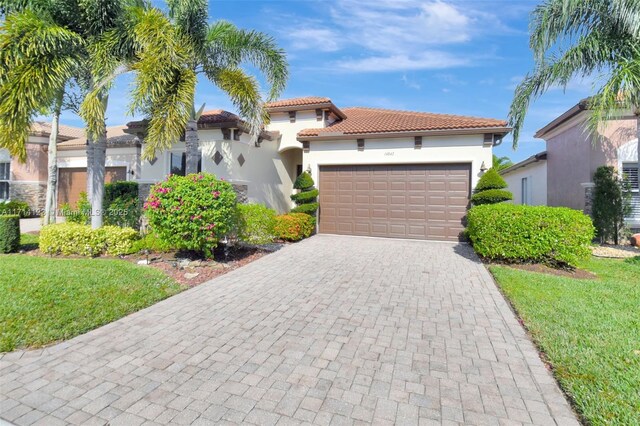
[
  {"x": 602, "y": 37},
  {"x": 44, "y": 44},
  {"x": 501, "y": 163},
  {"x": 34, "y": 79},
  {"x": 175, "y": 50}
]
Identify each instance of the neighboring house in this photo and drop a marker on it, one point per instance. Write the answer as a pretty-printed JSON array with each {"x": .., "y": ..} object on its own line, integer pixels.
[
  {"x": 527, "y": 180},
  {"x": 572, "y": 157},
  {"x": 28, "y": 181},
  {"x": 380, "y": 172}
]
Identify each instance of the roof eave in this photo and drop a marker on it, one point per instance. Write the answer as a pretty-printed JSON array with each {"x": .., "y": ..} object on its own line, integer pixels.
[
  {"x": 558, "y": 121},
  {"x": 318, "y": 105},
  {"x": 541, "y": 156},
  {"x": 398, "y": 134}
]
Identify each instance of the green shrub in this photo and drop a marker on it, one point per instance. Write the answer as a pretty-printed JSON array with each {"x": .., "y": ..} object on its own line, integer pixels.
[
  {"x": 491, "y": 196},
  {"x": 255, "y": 223},
  {"x": 490, "y": 180},
  {"x": 127, "y": 190},
  {"x": 611, "y": 203},
  {"x": 490, "y": 189},
  {"x": 294, "y": 226},
  {"x": 81, "y": 214},
  {"x": 516, "y": 233},
  {"x": 9, "y": 233},
  {"x": 15, "y": 207},
  {"x": 121, "y": 204},
  {"x": 72, "y": 238},
  {"x": 152, "y": 243},
  {"x": 307, "y": 199},
  {"x": 192, "y": 212}
]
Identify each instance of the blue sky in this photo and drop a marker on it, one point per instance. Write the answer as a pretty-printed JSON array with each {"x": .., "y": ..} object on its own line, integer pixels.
[{"x": 446, "y": 56}]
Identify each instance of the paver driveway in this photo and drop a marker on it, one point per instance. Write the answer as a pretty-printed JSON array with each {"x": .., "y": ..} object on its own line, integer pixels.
[{"x": 331, "y": 330}]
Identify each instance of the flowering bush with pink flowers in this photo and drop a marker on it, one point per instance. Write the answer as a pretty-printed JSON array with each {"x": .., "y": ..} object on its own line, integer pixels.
[{"x": 191, "y": 212}]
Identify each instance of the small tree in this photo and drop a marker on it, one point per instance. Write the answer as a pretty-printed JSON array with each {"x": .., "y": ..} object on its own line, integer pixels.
[
  {"x": 307, "y": 199},
  {"x": 610, "y": 204},
  {"x": 490, "y": 189}
]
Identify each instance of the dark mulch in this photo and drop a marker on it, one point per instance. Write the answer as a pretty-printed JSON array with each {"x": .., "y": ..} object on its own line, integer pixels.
[
  {"x": 200, "y": 270},
  {"x": 579, "y": 274}
]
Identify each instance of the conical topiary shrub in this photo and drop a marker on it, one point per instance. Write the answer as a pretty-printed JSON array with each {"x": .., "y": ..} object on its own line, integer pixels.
[
  {"x": 490, "y": 189},
  {"x": 307, "y": 199}
]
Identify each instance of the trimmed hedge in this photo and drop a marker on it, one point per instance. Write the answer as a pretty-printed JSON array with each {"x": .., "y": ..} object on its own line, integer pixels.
[
  {"x": 490, "y": 189},
  {"x": 294, "y": 226},
  {"x": 491, "y": 196},
  {"x": 255, "y": 223},
  {"x": 121, "y": 204},
  {"x": 307, "y": 199},
  {"x": 15, "y": 207},
  {"x": 72, "y": 238},
  {"x": 9, "y": 233},
  {"x": 515, "y": 233}
]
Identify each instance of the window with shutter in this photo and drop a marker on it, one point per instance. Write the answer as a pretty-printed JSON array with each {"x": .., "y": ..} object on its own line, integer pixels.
[
  {"x": 630, "y": 173},
  {"x": 5, "y": 176}
]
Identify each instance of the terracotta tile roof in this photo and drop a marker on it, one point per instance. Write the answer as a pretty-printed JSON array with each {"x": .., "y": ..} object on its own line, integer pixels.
[
  {"x": 217, "y": 116},
  {"x": 294, "y": 102},
  {"x": 373, "y": 120},
  {"x": 64, "y": 132},
  {"x": 115, "y": 136}
]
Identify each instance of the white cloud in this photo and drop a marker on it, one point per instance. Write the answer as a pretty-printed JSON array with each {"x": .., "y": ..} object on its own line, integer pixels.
[
  {"x": 402, "y": 62},
  {"x": 322, "y": 39},
  {"x": 410, "y": 83},
  {"x": 399, "y": 35}
]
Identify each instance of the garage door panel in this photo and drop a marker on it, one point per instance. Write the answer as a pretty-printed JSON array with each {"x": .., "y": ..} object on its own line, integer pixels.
[
  {"x": 404, "y": 201},
  {"x": 73, "y": 181}
]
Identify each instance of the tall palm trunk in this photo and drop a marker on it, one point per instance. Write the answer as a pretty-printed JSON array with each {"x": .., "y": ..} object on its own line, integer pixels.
[
  {"x": 192, "y": 146},
  {"x": 96, "y": 196},
  {"x": 52, "y": 166}
]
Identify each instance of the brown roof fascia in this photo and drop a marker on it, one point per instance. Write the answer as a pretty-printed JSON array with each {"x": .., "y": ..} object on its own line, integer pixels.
[
  {"x": 322, "y": 105},
  {"x": 139, "y": 128},
  {"x": 572, "y": 112},
  {"x": 541, "y": 156},
  {"x": 327, "y": 136}
]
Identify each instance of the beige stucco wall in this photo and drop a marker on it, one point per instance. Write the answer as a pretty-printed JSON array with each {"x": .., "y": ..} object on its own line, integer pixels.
[
  {"x": 441, "y": 149},
  {"x": 289, "y": 131},
  {"x": 268, "y": 175},
  {"x": 572, "y": 158},
  {"x": 536, "y": 174}
]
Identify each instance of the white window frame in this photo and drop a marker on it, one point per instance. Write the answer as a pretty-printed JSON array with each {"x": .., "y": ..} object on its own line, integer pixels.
[
  {"x": 7, "y": 180},
  {"x": 627, "y": 164},
  {"x": 524, "y": 191}
]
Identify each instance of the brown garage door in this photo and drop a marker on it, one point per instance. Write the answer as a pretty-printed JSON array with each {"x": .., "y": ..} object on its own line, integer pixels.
[
  {"x": 420, "y": 201},
  {"x": 73, "y": 181}
]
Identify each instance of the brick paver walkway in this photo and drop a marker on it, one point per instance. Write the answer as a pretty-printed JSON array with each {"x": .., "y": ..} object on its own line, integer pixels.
[{"x": 333, "y": 330}]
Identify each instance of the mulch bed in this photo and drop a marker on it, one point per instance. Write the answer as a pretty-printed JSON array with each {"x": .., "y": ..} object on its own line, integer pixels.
[
  {"x": 579, "y": 274},
  {"x": 192, "y": 271},
  {"x": 615, "y": 251}
]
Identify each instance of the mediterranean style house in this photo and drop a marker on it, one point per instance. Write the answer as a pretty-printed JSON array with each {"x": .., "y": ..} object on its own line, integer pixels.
[
  {"x": 562, "y": 175},
  {"x": 380, "y": 172}
]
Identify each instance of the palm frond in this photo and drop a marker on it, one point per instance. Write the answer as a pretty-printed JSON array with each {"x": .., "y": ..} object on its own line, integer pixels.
[
  {"x": 244, "y": 92},
  {"x": 229, "y": 47},
  {"x": 190, "y": 18},
  {"x": 37, "y": 59}
]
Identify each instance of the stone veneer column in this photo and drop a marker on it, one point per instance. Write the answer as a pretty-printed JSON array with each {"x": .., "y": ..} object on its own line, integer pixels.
[
  {"x": 588, "y": 197},
  {"x": 33, "y": 193}
]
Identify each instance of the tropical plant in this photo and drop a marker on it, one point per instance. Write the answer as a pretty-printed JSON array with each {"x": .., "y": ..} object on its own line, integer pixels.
[
  {"x": 611, "y": 204},
  {"x": 501, "y": 163},
  {"x": 254, "y": 223},
  {"x": 43, "y": 46},
  {"x": 294, "y": 226},
  {"x": 491, "y": 189},
  {"x": 307, "y": 199},
  {"x": 580, "y": 39},
  {"x": 177, "y": 49},
  {"x": 192, "y": 212}
]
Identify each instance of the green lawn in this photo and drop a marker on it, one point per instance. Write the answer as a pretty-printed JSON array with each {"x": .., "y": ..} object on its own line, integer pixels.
[
  {"x": 589, "y": 331},
  {"x": 28, "y": 242},
  {"x": 43, "y": 300}
]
